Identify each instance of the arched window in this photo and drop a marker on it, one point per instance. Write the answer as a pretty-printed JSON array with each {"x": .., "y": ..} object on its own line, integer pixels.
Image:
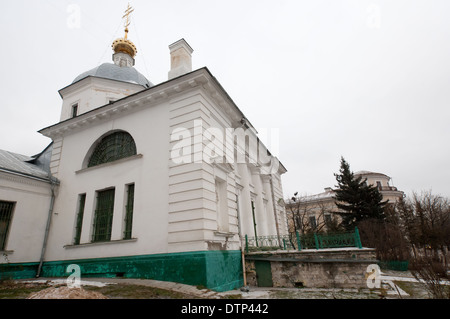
[{"x": 113, "y": 147}]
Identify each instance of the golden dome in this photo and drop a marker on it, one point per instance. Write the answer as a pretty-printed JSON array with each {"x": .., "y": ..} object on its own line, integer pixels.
[{"x": 124, "y": 45}]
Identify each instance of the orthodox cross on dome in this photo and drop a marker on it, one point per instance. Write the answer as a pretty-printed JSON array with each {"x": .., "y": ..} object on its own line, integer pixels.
[
  {"x": 128, "y": 11},
  {"x": 124, "y": 49}
]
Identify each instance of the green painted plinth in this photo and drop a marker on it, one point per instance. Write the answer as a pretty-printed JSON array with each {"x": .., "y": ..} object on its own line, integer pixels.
[
  {"x": 18, "y": 271},
  {"x": 216, "y": 270}
]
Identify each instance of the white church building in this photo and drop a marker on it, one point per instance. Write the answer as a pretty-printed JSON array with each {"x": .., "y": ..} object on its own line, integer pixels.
[{"x": 141, "y": 181}]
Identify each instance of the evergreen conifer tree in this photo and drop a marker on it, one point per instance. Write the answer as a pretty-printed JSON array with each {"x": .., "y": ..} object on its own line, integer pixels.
[{"x": 356, "y": 199}]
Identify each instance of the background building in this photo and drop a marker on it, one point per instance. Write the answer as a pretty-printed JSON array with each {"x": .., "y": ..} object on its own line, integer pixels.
[{"x": 318, "y": 211}]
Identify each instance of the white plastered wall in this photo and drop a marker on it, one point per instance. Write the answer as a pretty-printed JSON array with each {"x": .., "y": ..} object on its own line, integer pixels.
[
  {"x": 29, "y": 217},
  {"x": 148, "y": 171}
]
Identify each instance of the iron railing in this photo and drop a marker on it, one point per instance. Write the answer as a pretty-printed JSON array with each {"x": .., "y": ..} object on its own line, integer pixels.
[
  {"x": 295, "y": 241},
  {"x": 6, "y": 210},
  {"x": 269, "y": 242}
]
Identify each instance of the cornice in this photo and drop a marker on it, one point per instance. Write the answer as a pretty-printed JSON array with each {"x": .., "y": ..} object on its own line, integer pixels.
[
  {"x": 147, "y": 97},
  {"x": 198, "y": 79},
  {"x": 23, "y": 179},
  {"x": 89, "y": 81},
  {"x": 220, "y": 97},
  {"x": 220, "y": 162}
]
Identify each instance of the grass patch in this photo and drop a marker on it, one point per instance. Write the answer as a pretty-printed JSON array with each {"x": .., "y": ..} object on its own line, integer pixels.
[
  {"x": 129, "y": 291},
  {"x": 15, "y": 290},
  {"x": 18, "y": 290},
  {"x": 415, "y": 290}
]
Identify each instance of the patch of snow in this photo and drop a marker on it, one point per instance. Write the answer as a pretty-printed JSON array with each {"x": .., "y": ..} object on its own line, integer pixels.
[{"x": 56, "y": 282}]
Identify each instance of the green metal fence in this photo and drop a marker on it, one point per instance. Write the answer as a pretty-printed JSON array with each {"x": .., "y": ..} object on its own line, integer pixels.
[
  {"x": 295, "y": 241},
  {"x": 269, "y": 243},
  {"x": 399, "y": 265}
]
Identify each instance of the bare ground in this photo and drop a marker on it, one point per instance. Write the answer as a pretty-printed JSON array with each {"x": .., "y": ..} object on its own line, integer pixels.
[{"x": 148, "y": 289}]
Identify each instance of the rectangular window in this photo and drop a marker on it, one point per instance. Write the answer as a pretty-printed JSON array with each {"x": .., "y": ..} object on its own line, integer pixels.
[
  {"x": 103, "y": 215},
  {"x": 312, "y": 222},
  {"x": 6, "y": 209},
  {"x": 80, "y": 213},
  {"x": 129, "y": 212},
  {"x": 330, "y": 223},
  {"x": 74, "y": 110}
]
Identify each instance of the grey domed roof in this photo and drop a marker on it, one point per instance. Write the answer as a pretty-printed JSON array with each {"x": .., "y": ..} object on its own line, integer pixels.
[
  {"x": 368, "y": 173},
  {"x": 115, "y": 72}
]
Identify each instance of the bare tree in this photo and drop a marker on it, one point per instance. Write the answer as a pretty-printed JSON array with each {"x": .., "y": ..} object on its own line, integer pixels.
[
  {"x": 426, "y": 221},
  {"x": 308, "y": 217},
  {"x": 386, "y": 237},
  {"x": 432, "y": 274}
]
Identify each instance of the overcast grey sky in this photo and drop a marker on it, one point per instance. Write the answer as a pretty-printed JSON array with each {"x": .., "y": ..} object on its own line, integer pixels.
[{"x": 366, "y": 80}]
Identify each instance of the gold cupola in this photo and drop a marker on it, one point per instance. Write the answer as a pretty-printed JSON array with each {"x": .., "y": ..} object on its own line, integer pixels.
[
  {"x": 124, "y": 49},
  {"x": 125, "y": 46}
]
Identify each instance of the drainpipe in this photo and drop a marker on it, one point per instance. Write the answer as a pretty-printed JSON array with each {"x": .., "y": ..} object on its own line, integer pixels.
[{"x": 53, "y": 183}]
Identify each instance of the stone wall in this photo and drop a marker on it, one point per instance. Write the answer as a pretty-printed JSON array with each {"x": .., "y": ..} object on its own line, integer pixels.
[{"x": 328, "y": 268}]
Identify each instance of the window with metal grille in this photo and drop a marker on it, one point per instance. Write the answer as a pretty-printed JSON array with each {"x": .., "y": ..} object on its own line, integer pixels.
[
  {"x": 113, "y": 147},
  {"x": 312, "y": 222},
  {"x": 80, "y": 213},
  {"x": 6, "y": 209},
  {"x": 129, "y": 212},
  {"x": 103, "y": 216}
]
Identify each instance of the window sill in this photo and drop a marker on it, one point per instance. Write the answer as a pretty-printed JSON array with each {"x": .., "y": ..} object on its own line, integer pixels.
[
  {"x": 224, "y": 233},
  {"x": 100, "y": 243},
  {"x": 122, "y": 160}
]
